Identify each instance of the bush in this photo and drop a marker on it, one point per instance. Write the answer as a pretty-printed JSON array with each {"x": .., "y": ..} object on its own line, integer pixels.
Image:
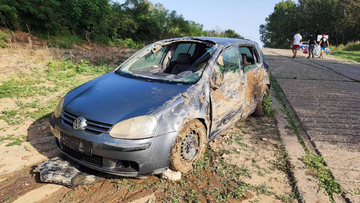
[
  {"x": 3, "y": 39},
  {"x": 351, "y": 46},
  {"x": 129, "y": 24},
  {"x": 128, "y": 42}
]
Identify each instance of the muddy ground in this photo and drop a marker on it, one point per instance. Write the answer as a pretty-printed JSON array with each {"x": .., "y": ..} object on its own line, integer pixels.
[{"x": 244, "y": 164}]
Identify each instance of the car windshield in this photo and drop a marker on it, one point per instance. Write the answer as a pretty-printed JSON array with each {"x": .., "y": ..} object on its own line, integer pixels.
[{"x": 177, "y": 62}]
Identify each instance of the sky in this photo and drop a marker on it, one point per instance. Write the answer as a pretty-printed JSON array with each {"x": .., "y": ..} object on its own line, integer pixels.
[{"x": 243, "y": 16}]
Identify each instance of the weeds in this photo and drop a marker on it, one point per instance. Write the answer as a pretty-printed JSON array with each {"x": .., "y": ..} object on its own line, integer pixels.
[
  {"x": 8, "y": 137},
  {"x": 3, "y": 39},
  {"x": 281, "y": 162},
  {"x": 324, "y": 175},
  {"x": 269, "y": 111},
  {"x": 243, "y": 171},
  {"x": 14, "y": 140},
  {"x": 263, "y": 189},
  {"x": 17, "y": 141},
  {"x": 276, "y": 88},
  {"x": 191, "y": 195},
  {"x": 223, "y": 195}
]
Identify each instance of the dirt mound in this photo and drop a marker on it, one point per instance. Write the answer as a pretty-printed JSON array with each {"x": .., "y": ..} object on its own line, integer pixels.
[{"x": 25, "y": 51}]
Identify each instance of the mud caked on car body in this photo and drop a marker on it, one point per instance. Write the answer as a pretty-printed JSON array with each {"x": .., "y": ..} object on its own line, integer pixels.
[{"x": 160, "y": 107}]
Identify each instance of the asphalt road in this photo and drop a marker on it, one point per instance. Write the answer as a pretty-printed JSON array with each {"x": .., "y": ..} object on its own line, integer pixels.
[{"x": 325, "y": 94}]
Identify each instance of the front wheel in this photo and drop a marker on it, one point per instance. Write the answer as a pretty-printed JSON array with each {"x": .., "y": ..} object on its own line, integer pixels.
[{"x": 189, "y": 146}]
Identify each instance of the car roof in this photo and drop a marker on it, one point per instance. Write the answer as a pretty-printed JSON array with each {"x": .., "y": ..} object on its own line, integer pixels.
[{"x": 217, "y": 40}]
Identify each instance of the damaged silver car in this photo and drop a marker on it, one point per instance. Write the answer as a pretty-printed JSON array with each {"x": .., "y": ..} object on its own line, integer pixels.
[{"x": 160, "y": 107}]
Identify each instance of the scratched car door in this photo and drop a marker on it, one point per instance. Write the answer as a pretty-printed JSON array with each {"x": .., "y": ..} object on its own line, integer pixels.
[
  {"x": 227, "y": 90},
  {"x": 254, "y": 73}
]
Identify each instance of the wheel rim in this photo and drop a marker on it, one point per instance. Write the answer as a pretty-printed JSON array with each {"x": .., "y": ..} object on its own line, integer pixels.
[{"x": 189, "y": 147}]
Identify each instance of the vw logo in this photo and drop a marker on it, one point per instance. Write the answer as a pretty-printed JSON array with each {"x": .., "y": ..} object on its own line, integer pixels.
[{"x": 79, "y": 123}]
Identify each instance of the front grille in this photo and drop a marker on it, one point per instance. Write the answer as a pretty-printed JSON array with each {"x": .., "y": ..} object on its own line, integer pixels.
[
  {"x": 94, "y": 159},
  {"x": 92, "y": 126}
]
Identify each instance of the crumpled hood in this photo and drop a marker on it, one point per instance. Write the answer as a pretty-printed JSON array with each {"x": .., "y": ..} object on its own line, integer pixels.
[{"x": 112, "y": 98}]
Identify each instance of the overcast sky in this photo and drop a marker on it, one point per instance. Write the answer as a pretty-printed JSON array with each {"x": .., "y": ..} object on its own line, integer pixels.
[{"x": 243, "y": 16}]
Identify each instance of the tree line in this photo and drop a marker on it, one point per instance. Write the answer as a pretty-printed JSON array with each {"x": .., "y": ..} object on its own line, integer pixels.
[
  {"x": 340, "y": 19},
  {"x": 101, "y": 21}
]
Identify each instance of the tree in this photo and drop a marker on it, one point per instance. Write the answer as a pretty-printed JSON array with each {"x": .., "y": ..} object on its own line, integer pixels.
[
  {"x": 232, "y": 34},
  {"x": 280, "y": 26},
  {"x": 340, "y": 19}
]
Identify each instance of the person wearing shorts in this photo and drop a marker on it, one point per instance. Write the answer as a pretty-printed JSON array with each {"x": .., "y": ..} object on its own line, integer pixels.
[
  {"x": 324, "y": 42},
  {"x": 296, "y": 43}
]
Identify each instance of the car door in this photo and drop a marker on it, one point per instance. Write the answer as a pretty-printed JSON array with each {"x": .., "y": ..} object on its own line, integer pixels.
[
  {"x": 227, "y": 84},
  {"x": 254, "y": 74}
]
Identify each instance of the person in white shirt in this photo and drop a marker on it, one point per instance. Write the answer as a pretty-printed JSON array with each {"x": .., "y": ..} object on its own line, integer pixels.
[{"x": 296, "y": 43}]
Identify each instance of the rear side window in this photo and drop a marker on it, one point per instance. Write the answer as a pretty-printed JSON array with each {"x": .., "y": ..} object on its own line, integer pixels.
[
  {"x": 249, "y": 57},
  {"x": 184, "y": 48}
]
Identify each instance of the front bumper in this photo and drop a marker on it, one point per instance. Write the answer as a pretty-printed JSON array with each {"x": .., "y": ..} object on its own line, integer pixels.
[{"x": 115, "y": 156}]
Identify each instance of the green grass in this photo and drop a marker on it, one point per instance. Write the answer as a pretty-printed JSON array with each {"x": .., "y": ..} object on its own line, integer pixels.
[
  {"x": 350, "y": 51},
  {"x": 8, "y": 137},
  {"x": 57, "y": 78},
  {"x": 14, "y": 140},
  {"x": 17, "y": 141},
  {"x": 11, "y": 117},
  {"x": 66, "y": 41},
  {"x": 350, "y": 55}
]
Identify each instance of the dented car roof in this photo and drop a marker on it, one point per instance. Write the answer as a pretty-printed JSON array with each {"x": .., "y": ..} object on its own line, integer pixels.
[{"x": 217, "y": 40}]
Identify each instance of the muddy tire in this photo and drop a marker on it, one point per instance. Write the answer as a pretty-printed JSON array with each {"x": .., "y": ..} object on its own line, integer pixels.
[
  {"x": 189, "y": 146},
  {"x": 259, "y": 110}
]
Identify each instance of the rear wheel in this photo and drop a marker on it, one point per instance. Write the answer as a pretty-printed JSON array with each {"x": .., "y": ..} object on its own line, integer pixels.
[
  {"x": 188, "y": 147},
  {"x": 259, "y": 111}
]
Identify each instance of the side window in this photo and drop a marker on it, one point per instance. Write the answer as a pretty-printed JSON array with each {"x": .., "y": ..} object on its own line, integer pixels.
[
  {"x": 229, "y": 61},
  {"x": 183, "y": 48},
  {"x": 249, "y": 57}
]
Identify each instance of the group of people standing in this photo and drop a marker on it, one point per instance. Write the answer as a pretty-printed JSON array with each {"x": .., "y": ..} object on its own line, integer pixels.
[{"x": 311, "y": 41}]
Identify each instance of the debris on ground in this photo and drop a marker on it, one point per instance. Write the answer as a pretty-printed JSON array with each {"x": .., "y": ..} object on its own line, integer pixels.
[
  {"x": 147, "y": 199},
  {"x": 171, "y": 175},
  {"x": 64, "y": 172}
]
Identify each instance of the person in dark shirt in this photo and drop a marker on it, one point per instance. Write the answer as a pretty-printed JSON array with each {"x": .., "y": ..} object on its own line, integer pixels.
[
  {"x": 311, "y": 42},
  {"x": 324, "y": 42}
]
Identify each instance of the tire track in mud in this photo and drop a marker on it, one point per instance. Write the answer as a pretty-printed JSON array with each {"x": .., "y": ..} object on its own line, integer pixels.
[{"x": 18, "y": 183}]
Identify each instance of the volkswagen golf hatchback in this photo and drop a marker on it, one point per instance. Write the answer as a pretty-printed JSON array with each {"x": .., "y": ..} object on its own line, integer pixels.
[{"x": 160, "y": 107}]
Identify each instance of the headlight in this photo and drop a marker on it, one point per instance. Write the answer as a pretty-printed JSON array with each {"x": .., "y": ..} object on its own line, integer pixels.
[
  {"x": 135, "y": 128},
  {"x": 59, "y": 108}
]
